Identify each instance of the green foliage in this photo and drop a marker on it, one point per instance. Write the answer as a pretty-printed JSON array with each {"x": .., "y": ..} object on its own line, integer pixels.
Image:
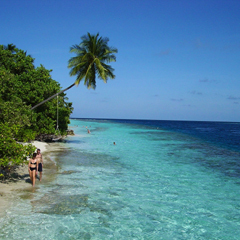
[
  {"x": 26, "y": 135},
  {"x": 20, "y": 79},
  {"x": 21, "y": 87},
  {"x": 15, "y": 112},
  {"x": 12, "y": 153},
  {"x": 16, "y": 61}
]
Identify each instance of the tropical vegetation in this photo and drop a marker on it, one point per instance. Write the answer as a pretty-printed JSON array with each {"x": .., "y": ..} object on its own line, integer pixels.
[{"x": 22, "y": 85}]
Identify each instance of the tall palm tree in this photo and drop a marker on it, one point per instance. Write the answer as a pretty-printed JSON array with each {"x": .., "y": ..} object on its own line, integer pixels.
[{"x": 92, "y": 56}]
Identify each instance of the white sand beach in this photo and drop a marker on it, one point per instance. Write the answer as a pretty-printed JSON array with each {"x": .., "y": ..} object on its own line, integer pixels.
[{"x": 9, "y": 189}]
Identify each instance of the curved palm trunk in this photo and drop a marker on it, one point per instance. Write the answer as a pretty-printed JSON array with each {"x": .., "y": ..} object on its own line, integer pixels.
[{"x": 53, "y": 96}]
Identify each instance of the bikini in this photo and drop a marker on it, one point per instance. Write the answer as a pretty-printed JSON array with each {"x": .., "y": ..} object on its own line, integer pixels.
[{"x": 34, "y": 168}]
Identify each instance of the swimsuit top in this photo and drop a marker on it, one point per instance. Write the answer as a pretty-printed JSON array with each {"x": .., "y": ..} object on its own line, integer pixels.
[{"x": 34, "y": 163}]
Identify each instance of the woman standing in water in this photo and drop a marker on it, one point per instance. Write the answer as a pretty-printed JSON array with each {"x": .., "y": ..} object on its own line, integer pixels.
[
  {"x": 40, "y": 163},
  {"x": 33, "y": 168}
]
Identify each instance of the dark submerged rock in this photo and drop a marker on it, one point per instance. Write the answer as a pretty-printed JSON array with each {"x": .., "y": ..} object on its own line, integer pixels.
[
  {"x": 70, "y": 132},
  {"x": 45, "y": 137}
]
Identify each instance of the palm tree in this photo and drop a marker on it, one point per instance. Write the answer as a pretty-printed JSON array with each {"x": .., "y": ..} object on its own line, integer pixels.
[
  {"x": 92, "y": 54},
  {"x": 10, "y": 47}
]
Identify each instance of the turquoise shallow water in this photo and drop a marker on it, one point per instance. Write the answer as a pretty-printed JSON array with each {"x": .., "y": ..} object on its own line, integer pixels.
[{"x": 155, "y": 183}]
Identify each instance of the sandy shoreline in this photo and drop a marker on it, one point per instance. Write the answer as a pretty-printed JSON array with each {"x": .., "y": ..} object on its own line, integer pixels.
[{"x": 9, "y": 190}]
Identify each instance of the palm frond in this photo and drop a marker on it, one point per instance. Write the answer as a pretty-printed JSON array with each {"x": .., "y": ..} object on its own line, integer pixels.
[{"x": 92, "y": 54}]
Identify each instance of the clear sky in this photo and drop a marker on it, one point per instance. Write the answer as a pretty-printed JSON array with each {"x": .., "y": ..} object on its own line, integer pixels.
[{"x": 176, "y": 60}]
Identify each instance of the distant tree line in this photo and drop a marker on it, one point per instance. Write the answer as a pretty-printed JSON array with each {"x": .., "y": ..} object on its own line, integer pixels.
[{"x": 22, "y": 86}]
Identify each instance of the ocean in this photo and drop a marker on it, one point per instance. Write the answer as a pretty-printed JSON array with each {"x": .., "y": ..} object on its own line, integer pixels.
[{"x": 160, "y": 180}]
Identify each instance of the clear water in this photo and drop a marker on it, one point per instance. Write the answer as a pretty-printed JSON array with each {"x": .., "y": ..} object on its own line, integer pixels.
[{"x": 162, "y": 180}]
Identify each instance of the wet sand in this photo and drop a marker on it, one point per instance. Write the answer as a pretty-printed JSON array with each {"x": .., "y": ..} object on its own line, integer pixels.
[{"x": 11, "y": 189}]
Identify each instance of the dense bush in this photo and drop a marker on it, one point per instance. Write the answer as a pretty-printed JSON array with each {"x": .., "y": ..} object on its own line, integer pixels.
[
  {"x": 22, "y": 86},
  {"x": 12, "y": 153}
]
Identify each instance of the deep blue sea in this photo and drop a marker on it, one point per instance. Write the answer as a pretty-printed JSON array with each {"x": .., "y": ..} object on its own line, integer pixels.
[{"x": 162, "y": 180}]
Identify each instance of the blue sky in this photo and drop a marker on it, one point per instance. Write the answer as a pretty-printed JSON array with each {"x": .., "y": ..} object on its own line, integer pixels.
[{"x": 176, "y": 60}]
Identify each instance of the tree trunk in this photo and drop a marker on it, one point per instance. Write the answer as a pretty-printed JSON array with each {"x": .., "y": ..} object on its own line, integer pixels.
[{"x": 52, "y": 96}]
